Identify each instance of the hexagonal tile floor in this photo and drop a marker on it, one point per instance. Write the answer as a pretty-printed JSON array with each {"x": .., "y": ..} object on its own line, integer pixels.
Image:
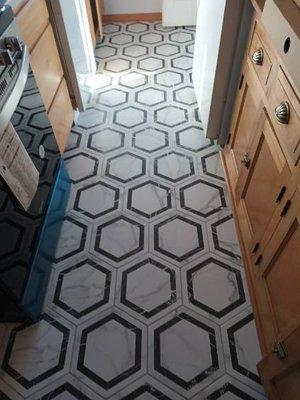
[
  {"x": 149, "y": 199},
  {"x": 151, "y": 96},
  {"x": 119, "y": 238},
  {"x": 82, "y": 288},
  {"x": 174, "y": 166},
  {"x": 97, "y": 200},
  {"x": 147, "y": 297},
  {"x": 150, "y": 140},
  {"x": 130, "y": 117},
  {"x": 178, "y": 238},
  {"x": 125, "y": 167},
  {"x": 202, "y": 198},
  {"x": 148, "y": 287},
  {"x": 203, "y": 279}
]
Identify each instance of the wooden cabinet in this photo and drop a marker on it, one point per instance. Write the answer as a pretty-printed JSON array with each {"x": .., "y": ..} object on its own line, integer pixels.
[
  {"x": 61, "y": 115},
  {"x": 33, "y": 20},
  {"x": 279, "y": 271},
  {"x": 261, "y": 161},
  {"x": 37, "y": 33},
  {"x": 261, "y": 185},
  {"x": 245, "y": 120},
  {"x": 46, "y": 66}
]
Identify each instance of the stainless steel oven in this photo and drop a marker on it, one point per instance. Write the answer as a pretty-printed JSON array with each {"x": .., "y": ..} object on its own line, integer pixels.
[{"x": 28, "y": 238}]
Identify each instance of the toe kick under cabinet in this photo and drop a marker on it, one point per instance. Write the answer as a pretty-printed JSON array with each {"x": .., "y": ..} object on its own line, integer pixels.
[{"x": 262, "y": 165}]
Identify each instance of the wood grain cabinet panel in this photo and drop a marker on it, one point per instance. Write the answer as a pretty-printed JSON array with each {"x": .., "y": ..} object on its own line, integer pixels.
[
  {"x": 61, "y": 115},
  {"x": 46, "y": 66},
  {"x": 244, "y": 124},
  {"x": 263, "y": 69},
  {"x": 262, "y": 183},
  {"x": 280, "y": 273},
  {"x": 33, "y": 20}
]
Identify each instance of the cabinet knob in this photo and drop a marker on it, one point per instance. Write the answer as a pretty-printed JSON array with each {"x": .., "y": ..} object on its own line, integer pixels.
[
  {"x": 258, "y": 56},
  {"x": 246, "y": 160},
  {"x": 282, "y": 112}
]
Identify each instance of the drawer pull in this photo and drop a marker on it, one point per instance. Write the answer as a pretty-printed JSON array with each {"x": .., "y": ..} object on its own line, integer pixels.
[
  {"x": 279, "y": 351},
  {"x": 258, "y": 56},
  {"x": 282, "y": 112},
  {"x": 286, "y": 208},
  {"x": 246, "y": 160}
]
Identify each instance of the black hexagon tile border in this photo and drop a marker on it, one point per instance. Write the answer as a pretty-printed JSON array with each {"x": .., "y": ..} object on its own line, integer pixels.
[{"x": 148, "y": 297}]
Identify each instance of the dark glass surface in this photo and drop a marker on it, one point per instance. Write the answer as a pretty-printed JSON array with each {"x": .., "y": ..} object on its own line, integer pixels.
[{"x": 20, "y": 229}]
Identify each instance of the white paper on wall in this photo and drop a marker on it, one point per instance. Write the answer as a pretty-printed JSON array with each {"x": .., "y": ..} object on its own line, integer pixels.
[{"x": 17, "y": 168}]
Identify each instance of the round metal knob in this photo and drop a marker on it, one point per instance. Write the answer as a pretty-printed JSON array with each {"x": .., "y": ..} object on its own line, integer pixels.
[
  {"x": 282, "y": 112},
  {"x": 258, "y": 56},
  {"x": 246, "y": 160}
]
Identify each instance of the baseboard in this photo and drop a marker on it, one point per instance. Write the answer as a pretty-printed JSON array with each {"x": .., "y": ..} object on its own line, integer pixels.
[{"x": 148, "y": 17}]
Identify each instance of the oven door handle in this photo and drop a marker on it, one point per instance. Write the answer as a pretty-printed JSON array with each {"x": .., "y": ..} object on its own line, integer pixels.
[{"x": 16, "y": 92}]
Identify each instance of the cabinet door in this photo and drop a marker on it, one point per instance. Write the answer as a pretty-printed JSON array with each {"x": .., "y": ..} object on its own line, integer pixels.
[
  {"x": 262, "y": 183},
  {"x": 279, "y": 270},
  {"x": 245, "y": 118}
]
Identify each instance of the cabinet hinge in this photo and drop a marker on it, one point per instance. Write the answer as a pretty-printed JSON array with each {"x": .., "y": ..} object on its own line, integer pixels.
[
  {"x": 241, "y": 82},
  {"x": 279, "y": 351},
  {"x": 281, "y": 194},
  {"x": 286, "y": 208}
]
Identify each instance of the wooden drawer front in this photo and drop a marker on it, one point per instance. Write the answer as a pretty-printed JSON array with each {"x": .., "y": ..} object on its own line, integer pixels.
[
  {"x": 262, "y": 70},
  {"x": 33, "y": 20},
  {"x": 288, "y": 133},
  {"x": 262, "y": 183},
  {"x": 61, "y": 115},
  {"x": 46, "y": 66}
]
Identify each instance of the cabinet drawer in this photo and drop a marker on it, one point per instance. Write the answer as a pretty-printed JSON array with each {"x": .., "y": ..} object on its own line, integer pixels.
[
  {"x": 46, "y": 66},
  {"x": 285, "y": 110},
  {"x": 33, "y": 20},
  {"x": 260, "y": 59},
  {"x": 61, "y": 115}
]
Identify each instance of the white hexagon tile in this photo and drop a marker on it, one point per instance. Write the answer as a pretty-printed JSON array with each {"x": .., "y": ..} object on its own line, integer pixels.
[{"x": 148, "y": 298}]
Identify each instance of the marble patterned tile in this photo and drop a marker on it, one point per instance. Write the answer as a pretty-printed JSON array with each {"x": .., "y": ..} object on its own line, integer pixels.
[
  {"x": 148, "y": 246},
  {"x": 47, "y": 344},
  {"x": 241, "y": 349},
  {"x": 185, "y": 352},
  {"x": 229, "y": 388},
  {"x": 110, "y": 352},
  {"x": 215, "y": 288},
  {"x": 147, "y": 388},
  {"x": 178, "y": 239},
  {"x": 66, "y": 388},
  {"x": 223, "y": 238},
  {"x": 149, "y": 199},
  {"x": 81, "y": 289},
  {"x": 148, "y": 288}
]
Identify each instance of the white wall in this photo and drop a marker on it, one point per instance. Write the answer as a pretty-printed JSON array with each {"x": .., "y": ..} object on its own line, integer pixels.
[{"x": 132, "y": 6}]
